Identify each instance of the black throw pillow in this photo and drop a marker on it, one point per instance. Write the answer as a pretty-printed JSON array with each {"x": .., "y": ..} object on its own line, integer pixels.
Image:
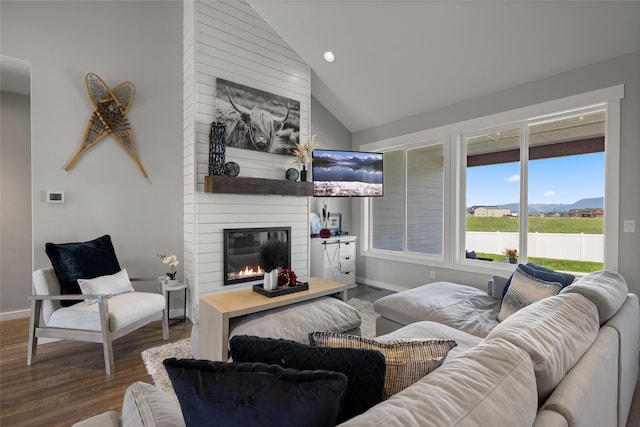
[
  {"x": 364, "y": 368},
  {"x": 81, "y": 260},
  {"x": 254, "y": 394}
]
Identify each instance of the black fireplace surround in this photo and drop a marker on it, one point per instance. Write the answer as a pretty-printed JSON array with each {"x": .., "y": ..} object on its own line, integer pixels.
[{"x": 242, "y": 261}]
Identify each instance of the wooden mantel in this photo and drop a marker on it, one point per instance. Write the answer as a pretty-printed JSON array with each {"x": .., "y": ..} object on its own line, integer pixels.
[{"x": 244, "y": 185}]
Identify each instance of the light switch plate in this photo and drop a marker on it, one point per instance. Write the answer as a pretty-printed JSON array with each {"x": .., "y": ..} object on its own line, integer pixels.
[{"x": 629, "y": 226}]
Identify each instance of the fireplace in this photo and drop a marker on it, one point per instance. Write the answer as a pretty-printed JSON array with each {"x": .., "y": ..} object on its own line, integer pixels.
[{"x": 242, "y": 261}]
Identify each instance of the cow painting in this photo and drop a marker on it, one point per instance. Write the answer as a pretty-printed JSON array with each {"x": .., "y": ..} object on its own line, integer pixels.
[{"x": 257, "y": 120}]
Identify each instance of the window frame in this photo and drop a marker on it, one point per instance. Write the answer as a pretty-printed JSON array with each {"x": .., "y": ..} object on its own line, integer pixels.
[{"x": 451, "y": 136}]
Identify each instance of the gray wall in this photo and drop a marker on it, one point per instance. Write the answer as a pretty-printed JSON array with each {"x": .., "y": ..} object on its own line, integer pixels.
[
  {"x": 331, "y": 135},
  {"x": 623, "y": 70},
  {"x": 15, "y": 201},
  {"x": 138, "y": 41}
]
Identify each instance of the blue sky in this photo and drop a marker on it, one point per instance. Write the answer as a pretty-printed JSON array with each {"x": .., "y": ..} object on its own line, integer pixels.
[{"x": 555, "y": 180}]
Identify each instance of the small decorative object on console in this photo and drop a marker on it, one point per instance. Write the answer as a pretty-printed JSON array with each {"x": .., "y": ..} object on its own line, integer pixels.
[{"x": 325, "y": 232}]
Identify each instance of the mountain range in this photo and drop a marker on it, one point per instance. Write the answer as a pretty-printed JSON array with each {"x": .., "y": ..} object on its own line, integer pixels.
[{"x": 595, "y": 202}]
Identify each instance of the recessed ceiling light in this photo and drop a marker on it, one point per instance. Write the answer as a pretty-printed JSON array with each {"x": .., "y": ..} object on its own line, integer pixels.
[{"x": 329, "y": 56}]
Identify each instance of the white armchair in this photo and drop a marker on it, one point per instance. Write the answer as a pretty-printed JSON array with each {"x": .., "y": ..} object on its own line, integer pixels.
[{"x": 112, "y": 317}]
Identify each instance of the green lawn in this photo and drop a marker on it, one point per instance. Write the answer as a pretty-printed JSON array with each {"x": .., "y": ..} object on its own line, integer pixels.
[
  {"x": 543, "y": 225},
  {"x": 556, "y": 264},
  {"x": 537, "y": 224}
]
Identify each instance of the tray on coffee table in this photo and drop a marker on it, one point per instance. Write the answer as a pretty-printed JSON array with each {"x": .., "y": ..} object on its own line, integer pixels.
[{"x": 283, "y": 290}]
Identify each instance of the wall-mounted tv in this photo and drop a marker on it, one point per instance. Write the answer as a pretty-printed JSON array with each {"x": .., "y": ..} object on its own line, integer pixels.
[{"x": 347, "y": 174}]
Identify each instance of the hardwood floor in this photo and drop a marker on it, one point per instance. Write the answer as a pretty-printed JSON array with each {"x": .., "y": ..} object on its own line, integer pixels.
[{"x": 68, "y": 383}]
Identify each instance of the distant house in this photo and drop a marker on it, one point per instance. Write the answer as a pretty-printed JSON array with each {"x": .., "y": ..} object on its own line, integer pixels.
[
  {"x": 586, "y": 213},
  {"x": 489, "y": 211}
]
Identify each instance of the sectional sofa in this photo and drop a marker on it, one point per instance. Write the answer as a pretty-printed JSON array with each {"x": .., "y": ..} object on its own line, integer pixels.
[{"x": 566, "y": 360}]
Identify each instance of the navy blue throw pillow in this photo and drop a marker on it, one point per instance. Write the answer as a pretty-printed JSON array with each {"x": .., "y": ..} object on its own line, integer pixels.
[
  {"x": 254, "y": 394},
  {"x": 539, "y": 272},
  {"x": 365, "y": 369},
  {"x": 81, "y": 260}
]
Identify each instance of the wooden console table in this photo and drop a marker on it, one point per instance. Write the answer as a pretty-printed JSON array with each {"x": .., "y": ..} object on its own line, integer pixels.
[{"x": 216, "y": 311}]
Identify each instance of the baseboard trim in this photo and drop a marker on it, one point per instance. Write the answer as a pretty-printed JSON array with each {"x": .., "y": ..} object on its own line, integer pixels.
[
  {"x": 382, "y": 285},
  {"x": 11, "y": 315}
]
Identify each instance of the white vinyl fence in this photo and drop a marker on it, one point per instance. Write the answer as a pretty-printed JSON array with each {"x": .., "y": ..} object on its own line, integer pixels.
[{"x": 578, "y": 247}]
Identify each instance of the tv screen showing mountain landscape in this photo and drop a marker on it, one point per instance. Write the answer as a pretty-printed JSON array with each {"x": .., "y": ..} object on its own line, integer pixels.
[{"x": 347, "y": 174}]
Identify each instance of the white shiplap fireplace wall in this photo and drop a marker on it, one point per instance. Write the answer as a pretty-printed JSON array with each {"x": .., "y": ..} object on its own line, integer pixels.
[{"x": 229, "y": 40}]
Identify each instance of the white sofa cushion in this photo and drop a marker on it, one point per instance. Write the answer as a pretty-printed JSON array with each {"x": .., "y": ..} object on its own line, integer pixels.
[
  {"x": 124, "y": 310},
  {"x": 112, "y": 284},
  {"x": 459, "y": 306},
  {"x": 606, "y": 289},
  {"x": 294, "y": 322},
  {"x": 556, "y": 332},
  {"x": 588, "y": 394},
  {"x": 147, "y": 406},
  {"x": 475, "y": 389}
]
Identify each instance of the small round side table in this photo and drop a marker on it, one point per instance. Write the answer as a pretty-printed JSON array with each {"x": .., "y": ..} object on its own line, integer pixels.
[{"x": 166, "y": 291}]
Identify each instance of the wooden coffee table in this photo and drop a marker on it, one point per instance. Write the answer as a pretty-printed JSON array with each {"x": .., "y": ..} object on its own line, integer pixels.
[{"x": 216, "y": 310}]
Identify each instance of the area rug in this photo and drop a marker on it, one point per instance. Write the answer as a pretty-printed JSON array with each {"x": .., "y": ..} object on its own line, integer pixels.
[{"x": 154, "y": 356}]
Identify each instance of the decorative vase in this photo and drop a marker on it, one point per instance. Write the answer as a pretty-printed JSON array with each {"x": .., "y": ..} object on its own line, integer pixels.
[
  {"x": 217, "y": 148},
  {"x": 173, "y": 282},
  {"x": 513, "y": 260},
  {"x": 303, "y": 174},
  {"x": 270, "y": 280}
]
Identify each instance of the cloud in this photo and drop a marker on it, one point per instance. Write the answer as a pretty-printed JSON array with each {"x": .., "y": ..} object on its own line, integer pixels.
[
  {"x": 550, "y": 193},
  {"x": 514, "y": 178}
]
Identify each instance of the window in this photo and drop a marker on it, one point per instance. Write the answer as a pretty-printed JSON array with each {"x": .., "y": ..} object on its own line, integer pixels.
[
  {"x": 409, "y": 218},
  {"x": 493, "y": 192},
  {"x": 425, "y": 199},
  {"x": 566, "y": 192},
  {"x": 387, "y": 213},
  {"x": 562, "y": 207},
  {"x": 541, "y": 179}
]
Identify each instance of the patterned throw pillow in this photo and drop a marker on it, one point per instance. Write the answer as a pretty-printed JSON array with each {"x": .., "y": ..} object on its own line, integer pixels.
[
  {"x": 539, "y": 272},
  {"x": 407, "y": 360},
  {"x": 525, "y": 290}
]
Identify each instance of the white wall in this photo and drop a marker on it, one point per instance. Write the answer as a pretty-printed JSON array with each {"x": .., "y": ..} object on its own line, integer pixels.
[
  {"x": 15, "y": 202},
  {"x": 229, "y": 40},
  {"x": 138, "y": 41},
  {"x": 623, "y": 70}
]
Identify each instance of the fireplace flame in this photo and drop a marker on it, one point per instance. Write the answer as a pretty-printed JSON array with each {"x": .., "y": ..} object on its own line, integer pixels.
[{"x": 247, "y": 271}]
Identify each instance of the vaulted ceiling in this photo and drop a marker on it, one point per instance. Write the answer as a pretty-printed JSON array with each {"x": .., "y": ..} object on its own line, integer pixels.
[{"x": 395, "y": 59}]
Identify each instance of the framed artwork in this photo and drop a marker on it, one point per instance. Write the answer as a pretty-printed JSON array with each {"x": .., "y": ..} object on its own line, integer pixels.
[
  {"x": 335, "y": 222},
  {"x": 315, "y": 224},
  {"x": 257, "y": 120}
]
